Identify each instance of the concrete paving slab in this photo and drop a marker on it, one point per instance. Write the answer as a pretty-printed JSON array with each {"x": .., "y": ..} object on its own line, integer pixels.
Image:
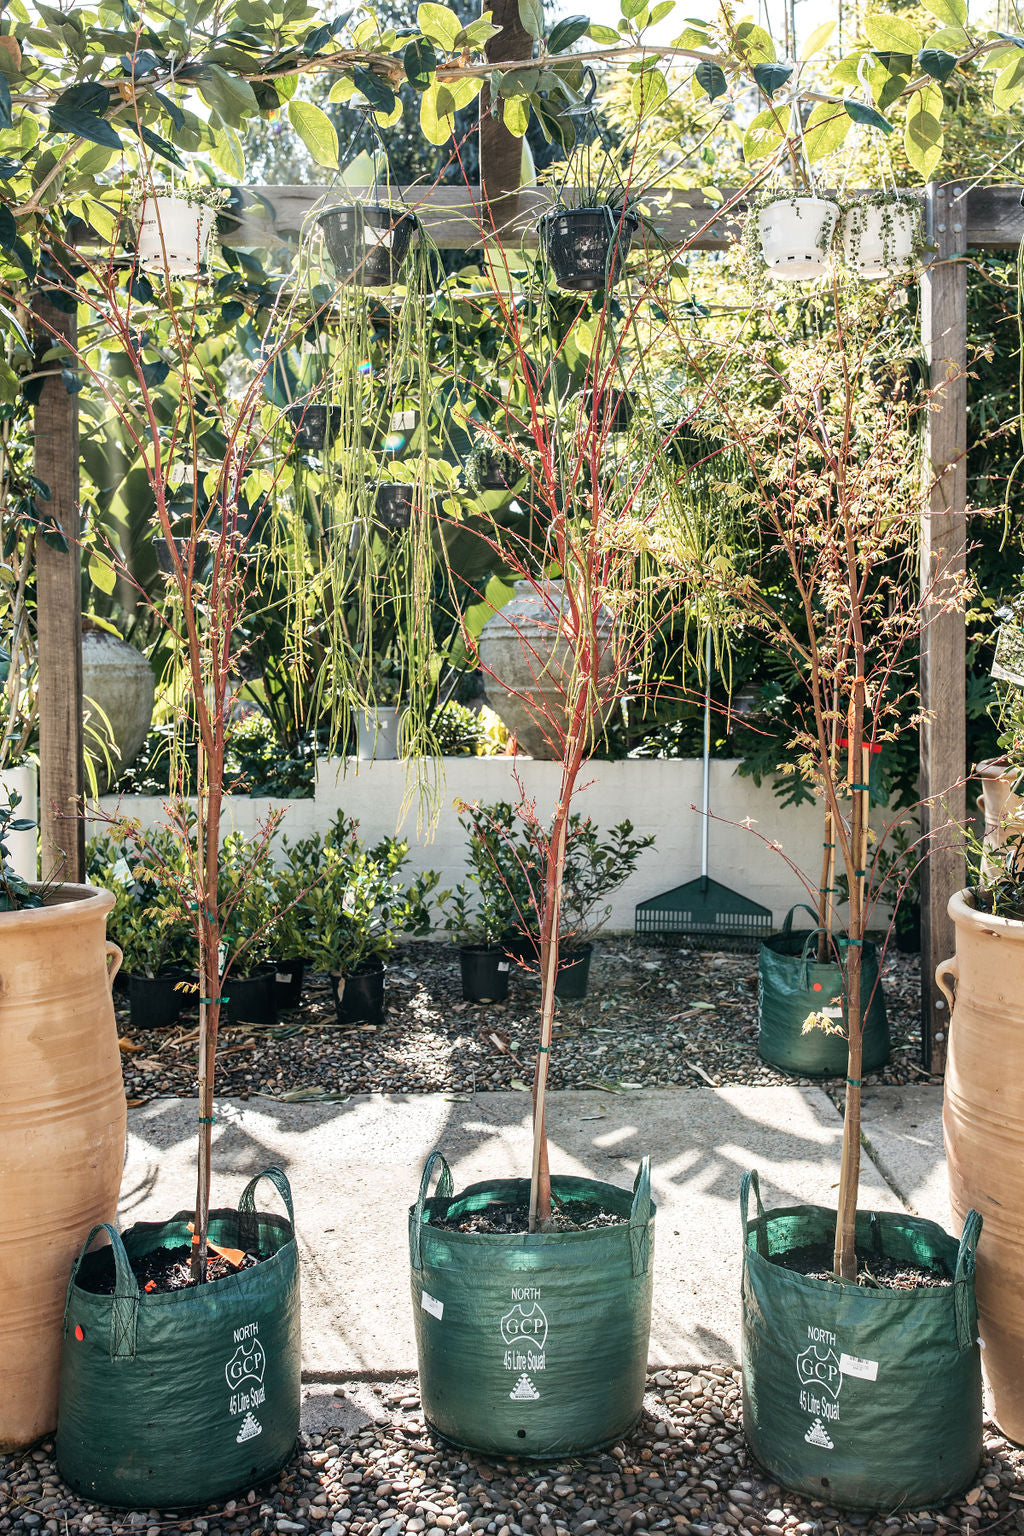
[
  {"x": 902, "y": 1131},
  {"x": 355, "y": 1168}
]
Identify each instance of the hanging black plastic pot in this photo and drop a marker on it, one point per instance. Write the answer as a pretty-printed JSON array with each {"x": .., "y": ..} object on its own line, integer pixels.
[
  {"x": 393, "y": 507},
  {"x": 288, "y": 978},
  {"x": 586, "y": 247},
  {"x": 484, "y": 973},
  {"x": 792, "y": 985},
  {"x": 532, "y": 1344},
  {"x": 612, "y": 409},
  {"x": 861, "y": 1396},
  {"x": 359, "y": 997},
  {"x": 154, "y": 1002},
  {"x": 178, "y": 1398},
  {"x": 252, "y": 999},
  {"x": 312, "y": 424},
  {"x": 367, "y": 242}
]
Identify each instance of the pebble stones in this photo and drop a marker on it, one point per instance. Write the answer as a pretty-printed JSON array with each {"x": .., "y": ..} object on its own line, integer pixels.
[
  {"x": 656, "y": 1016},
  {"x": 685, "y": 1471}
]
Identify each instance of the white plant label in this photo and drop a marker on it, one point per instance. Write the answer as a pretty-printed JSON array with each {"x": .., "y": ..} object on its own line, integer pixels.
[
  {"x": 853, "y": 1365},
  {"x": 431, "y": 1304}
]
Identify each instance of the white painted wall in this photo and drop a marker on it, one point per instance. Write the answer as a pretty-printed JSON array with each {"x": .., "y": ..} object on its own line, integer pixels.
[
  {"x": 24, "y": 846},
  {"x": 658, "y": 796}
]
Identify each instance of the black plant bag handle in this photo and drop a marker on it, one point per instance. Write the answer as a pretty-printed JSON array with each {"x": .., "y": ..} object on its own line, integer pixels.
[{"x": 124, "y": 1304}]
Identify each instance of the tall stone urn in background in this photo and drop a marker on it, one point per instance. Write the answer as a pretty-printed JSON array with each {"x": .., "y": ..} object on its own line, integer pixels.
[
  {"x": 1000, "y": 805},
  {"x": 528, "y": 663},
  {"x": 983, "y": 1121},
  {"x": 24, "y": 846},
  {"x": 62, "y": 1132},
  {"x": 118, "y": 681}
]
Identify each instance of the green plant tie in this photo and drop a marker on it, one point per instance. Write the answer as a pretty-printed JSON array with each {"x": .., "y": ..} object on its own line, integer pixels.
[
  {"x": 852, "y": 943},
  {"x": 860, "y": 786},
  {"x": 854, "y": 1082},
  {"x": 207, "y": 1119},
  {"x": 543, "y": 1048},
  {"x": 210, "y": 1000}
]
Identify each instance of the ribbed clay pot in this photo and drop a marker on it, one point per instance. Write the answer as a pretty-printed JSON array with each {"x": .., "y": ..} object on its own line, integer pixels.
[
  {"x": 62, "y": 1131},
  {"x": 118, "y": 680},
  {"x": 983, "y": 1121},
  {"x": 527, "y": 659}
]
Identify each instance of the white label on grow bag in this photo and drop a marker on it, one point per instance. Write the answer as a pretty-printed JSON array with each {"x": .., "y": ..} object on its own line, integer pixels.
[
  {"x": 831, "y": 1013},
  {"x": 431, "y": 1304},
  {"x": 852, "y": 1365}
]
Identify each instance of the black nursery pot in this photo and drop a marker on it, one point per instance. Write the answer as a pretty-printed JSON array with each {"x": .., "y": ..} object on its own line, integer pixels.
[
  {"x": 367, "y": 242},
  {"x": 484, "y": 973},
  {"x": 252, "y": 999},
  {"x": 288, "y": 978},
  {"x": 393, "y": 507},
  {"x": 587, "y": 246},
  {"x": 573, "y": 973},
  {"x": 154, "y": 1001},
  {"x": 359, "y": 998},
  {"x": 312, "y": 424}
]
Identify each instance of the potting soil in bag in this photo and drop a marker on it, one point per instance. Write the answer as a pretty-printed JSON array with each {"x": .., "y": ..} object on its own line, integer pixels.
[
  {"x": 792, "y": 984},
  {"x": 863, "y": 1397},
  {"x": 173, "y": 1399},
  {"x": 532, "y": 1344}
]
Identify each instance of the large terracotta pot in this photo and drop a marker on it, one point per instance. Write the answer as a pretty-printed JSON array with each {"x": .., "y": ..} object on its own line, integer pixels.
[
  {"x": 62, "y": 1132},
  {"x": 983, "y": 1120},
  {"x": 528, "y": 663},
  {"x": 1000, "y": 805}
]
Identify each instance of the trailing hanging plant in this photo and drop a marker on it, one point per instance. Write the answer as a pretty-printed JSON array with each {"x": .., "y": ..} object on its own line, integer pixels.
[{"x": 881, "y": 235}]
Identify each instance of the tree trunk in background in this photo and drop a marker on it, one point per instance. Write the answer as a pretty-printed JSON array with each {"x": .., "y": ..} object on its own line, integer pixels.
[{"x": 501, "y": 153}]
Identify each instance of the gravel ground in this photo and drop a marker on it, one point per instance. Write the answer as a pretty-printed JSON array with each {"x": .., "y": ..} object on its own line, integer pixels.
[
  {"x": 685, "y": 1470},
  {"x": 654, "y": 1017}
]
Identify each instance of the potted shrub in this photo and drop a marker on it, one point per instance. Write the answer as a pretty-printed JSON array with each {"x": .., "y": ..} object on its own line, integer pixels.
[
  {"x": 294, "y": 880},
  {"x": 586, "y": 235},
  {"x": 478, "y": 914},
  {"x": 881, "y": 235},
  {"x": 62, "y": 1066},
  {"x": 174, "y": 227},
  {"x": 148, "y": 923},
  {"x": 247, "y": 901},
  {"x": 357, "y": 909}
]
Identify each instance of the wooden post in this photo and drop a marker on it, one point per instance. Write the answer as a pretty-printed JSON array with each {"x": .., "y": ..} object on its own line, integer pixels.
[
  {"x": 943, "y": 638},
  {"x": 501, "y": 153},
  {"x": 59, "y": 611}
]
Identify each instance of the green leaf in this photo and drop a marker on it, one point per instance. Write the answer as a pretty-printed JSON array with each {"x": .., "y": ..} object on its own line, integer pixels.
[
  {"x": 650, "y": 91},
  {"x": 101, "y": 573},
  {"x": 922, "y": 137},
  {"x": 79, "y": 111},
  {"x": 316, "y": 131},
  {"x": 771, "y": 77},
  {"x": 891, "y": 34},
  {"x": 763, "y": 136},
  {"x": 952, "y": 13},
  {"x": 754, "y": 44},
  {"x": 606, "y": 35},
  {"x": 566, "y": 32},
  {"x": 632, "y": 8},
  {"x": 377, "y": 91},
  {"x": 937, "y": 63},
  {"x": 826, "y": 129},
  {"x": 479, "y": 32},
  {"x": 231, "y": 96},
  {"x": 817, "y": 40},
  {"x": 952, "y": 39},
  {"x": 711, "y": 78},
  {"x": 437, "y": 114},
  {"x": 1007, "y": 88},
  {"x": 516, "y": 115},
  {"x": 531, "y": 15},
  {"x": 420, "y": 62},
  {"x": 439, "y": 24},
  {"x": 870, "y": 117}
]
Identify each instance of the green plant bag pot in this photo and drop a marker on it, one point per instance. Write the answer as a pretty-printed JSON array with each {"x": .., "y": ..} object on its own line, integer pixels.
[
  {"x": 868, "y": 1399},
  {"x": 178, "y": 1399},
  {"x": 791, "y": 984},
  {"x": 532, "y": 1344}
]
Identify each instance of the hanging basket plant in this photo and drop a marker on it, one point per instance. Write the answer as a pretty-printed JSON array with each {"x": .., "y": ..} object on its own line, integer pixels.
[
  {"x": 174, "y": 229},
  {"x": 792, "y": 236},
  {"x": 882, "y": 236},
  {"x": 368, "y": 242},
  {"x": 315, "y": 425},
  {"x": 393, "y": 506},
  {"x": 587, "y": 247}
]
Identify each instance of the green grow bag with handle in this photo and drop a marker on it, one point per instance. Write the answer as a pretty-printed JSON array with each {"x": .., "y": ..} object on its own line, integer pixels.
[
  {"x": 792, "y": 984},
  {"x": 180, "y": 1398},
  {"x": 532, "y": 1344},
  {"x": 861, "y": 1397}
]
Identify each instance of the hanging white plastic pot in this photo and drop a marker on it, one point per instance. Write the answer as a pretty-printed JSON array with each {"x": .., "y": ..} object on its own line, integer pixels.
[
  {"x": 796, "y": 237},
  {"x": 879, "y": 240},
  {"x": 173, "y": 235}
]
